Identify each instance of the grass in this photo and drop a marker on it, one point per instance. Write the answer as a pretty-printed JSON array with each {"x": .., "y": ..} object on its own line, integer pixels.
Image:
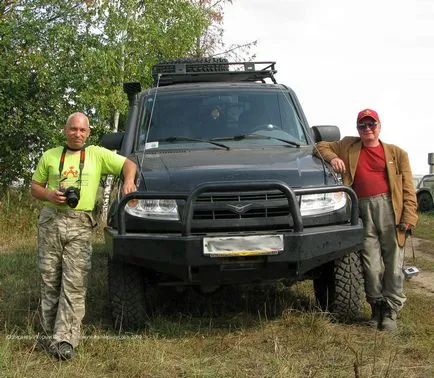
[
  {"x": 425, "y": 227},
  {"x": 276, "y": 332}
]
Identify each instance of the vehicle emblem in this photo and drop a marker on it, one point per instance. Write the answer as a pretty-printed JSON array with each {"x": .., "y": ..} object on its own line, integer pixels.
[{"x": 240, "y": 209}]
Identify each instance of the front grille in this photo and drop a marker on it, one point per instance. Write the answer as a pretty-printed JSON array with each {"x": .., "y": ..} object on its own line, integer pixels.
[
  {"x": 240, "y": 197},
  {"x": 230, "y": 214},
  {"x": 241, "y": 211}
]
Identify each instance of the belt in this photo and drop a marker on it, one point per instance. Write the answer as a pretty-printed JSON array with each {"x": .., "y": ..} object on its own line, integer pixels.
[
  {"x": 67, "y": 211},
  {"x": 381, "y": 195}
]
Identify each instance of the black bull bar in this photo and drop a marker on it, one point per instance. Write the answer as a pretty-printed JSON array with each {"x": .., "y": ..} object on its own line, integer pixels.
[{"x": 290, "y": 193}]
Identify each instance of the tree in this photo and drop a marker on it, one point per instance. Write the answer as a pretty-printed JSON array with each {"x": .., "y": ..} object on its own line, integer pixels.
[
  {"x": 35, "y": 76},
  {"x": 211, "y": 43},
  {"x": 57, "y": 57},
  {"x": 132, "y": 37}
]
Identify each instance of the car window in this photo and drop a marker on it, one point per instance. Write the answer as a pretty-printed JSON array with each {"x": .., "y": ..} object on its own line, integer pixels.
[{"x": 428, "y": 182}]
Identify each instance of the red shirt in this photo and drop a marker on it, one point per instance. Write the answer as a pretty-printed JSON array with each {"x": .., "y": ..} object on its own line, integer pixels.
[{"x": 370, "y": 178}]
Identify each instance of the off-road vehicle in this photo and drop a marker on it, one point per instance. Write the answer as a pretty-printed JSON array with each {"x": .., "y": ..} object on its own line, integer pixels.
[
  {"x": 228, "y": 192},
  {"x": 425, "y": 193}
]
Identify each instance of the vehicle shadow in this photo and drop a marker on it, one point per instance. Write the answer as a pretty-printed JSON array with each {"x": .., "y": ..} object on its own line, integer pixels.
[{"x": 229, "y": 305}]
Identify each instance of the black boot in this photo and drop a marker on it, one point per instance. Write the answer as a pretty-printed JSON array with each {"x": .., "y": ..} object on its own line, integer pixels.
[
  {"x": 376, "y": 318},
  {"x": 62, "y": 351},
  {"x": 388, "y": 323}
]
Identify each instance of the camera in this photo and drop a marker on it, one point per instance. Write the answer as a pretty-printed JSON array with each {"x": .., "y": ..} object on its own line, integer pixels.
[
  {"x": 72, "y": 195},
  {"x": 410, "y": 272}
]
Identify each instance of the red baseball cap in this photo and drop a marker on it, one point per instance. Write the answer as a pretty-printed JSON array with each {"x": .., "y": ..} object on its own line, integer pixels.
[{"x": 368, "y": 113}]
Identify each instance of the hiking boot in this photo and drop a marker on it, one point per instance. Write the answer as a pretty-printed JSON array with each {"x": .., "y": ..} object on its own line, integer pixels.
[
  {"x": 376, "y": 309},
  {"x": 62, "y": 351},
  {"x": 388, "y": 322},
  {"x": 43, "y": 342}
]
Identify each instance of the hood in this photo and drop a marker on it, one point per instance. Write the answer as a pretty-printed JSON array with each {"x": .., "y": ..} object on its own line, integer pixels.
[{"x": 181, "y": 171}]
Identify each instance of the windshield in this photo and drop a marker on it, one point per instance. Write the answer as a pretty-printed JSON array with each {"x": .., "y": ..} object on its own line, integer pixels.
[{"x": 195, "y": 117}]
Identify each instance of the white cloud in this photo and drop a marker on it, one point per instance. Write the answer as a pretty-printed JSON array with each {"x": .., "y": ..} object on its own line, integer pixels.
[{"x": 341, "y": 56}]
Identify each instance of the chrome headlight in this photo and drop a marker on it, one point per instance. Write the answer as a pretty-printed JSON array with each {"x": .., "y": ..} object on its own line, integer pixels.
[
  {"x": 153, "y": 209},
  {"x": 316, "y": 204}
]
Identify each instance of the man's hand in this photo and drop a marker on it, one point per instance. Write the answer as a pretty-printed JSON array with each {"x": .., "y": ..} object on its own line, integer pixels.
[
  {"x": 338, "y": 165},
  {"x": 56, "y": 196},
  {"x": 128, "y": 187},
  {"x": 407, "y": 227},
  {"x": 129, "y": 172}
]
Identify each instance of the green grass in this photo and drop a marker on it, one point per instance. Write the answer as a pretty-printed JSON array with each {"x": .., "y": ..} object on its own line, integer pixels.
[
  {"x": 276, "y": 332},
  {"x": 425, "y": 227}
]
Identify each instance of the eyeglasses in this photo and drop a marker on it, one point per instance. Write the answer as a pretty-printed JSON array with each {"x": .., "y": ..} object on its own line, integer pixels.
[{"x": 364, "y": 126}]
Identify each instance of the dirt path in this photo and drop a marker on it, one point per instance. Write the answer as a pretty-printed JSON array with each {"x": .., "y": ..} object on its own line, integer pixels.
[{"x": 423, "y": 283}]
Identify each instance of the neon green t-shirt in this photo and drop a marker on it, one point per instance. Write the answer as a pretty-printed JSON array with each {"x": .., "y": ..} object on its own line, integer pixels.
[{"x": 98, "y": 161}]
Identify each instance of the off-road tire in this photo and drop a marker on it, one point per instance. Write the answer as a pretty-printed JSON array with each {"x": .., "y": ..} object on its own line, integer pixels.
[
  {"x": 340, "y": 288},
  {"x": 168, "y": 66},
  {"x": 127, "y": 296},
  {"x": 424, "y": 202}
]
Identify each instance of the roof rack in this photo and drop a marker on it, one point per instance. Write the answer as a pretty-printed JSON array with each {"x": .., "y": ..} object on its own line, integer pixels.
[{"x": 177, "y": 73}]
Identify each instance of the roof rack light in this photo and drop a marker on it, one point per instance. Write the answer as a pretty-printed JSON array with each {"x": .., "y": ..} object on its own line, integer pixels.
[{"x": 190, "y": 72}]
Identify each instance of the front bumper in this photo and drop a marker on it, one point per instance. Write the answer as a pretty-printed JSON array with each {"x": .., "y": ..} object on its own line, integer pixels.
[{"x": 181, "y": 256}]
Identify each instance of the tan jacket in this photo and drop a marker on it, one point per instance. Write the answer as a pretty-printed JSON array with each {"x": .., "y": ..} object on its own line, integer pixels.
[{"x": 399, "y": 175}]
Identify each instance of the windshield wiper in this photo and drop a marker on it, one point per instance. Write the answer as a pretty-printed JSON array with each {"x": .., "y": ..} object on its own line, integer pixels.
[
  {"x": 258, "y": 136},
  {"x": 180, "y": 139}
]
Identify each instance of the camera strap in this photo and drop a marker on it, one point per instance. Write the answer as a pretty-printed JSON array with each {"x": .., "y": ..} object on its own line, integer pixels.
[
  {"x": 80, "y": 167},
  {"x": 409, "y": 237},
  {"x": 412, "y": 246}
]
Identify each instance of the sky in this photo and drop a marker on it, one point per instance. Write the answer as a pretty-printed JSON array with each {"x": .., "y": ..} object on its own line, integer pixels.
[{"x": 342, "y": 56}]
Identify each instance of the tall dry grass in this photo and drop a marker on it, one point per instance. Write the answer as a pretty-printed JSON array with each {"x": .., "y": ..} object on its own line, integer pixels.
[{"x": 258, "y": 332}]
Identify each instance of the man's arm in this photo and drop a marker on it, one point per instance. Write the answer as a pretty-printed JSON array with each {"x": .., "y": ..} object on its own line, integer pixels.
[
  {"x": 409, "y": 214},
  {"x": 329, "y": 152},
  {"x": 129, "y": 172},
  {"x": 41, "y": 192}
]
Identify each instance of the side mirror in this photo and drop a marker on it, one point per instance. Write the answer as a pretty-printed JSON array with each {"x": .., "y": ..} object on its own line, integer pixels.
[
  {"x": 326, "y": 133},
  {"x": 112, "y": 141}
]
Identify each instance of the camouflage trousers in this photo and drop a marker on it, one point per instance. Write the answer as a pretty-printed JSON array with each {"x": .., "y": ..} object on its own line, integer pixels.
[{"x": 64, "y": 259}]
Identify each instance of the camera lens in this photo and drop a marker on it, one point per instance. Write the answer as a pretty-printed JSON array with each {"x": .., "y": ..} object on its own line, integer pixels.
[
  {"x": 72, "y": 201},
  {"x": 72, "y": 196}
]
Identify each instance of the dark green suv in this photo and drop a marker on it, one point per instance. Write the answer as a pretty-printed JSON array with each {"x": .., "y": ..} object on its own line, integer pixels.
[{"x": 228, "y": 192}]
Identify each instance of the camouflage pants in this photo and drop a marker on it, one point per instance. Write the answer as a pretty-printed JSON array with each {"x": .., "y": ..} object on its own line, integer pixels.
[{"x": 64, "y": 259}]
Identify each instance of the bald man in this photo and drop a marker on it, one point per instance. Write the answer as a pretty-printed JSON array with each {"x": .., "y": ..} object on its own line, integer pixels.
[{"x": 66, "y": 179}]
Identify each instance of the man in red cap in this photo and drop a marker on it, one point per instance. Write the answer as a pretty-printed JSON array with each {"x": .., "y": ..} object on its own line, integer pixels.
[{"x": 380, "y": 174}]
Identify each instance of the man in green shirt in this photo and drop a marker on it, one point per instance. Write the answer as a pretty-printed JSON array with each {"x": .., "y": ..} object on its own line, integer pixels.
[{"x": 67, "y": 179}]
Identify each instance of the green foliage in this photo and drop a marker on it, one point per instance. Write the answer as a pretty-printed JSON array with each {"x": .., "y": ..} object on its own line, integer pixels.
[
  {"x": 38, "y": 69},
  {"x": 57, "y": 57},
  {"x": 127, "y": 39}
]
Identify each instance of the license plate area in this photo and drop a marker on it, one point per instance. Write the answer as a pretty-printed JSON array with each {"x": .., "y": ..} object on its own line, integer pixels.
[{"x": 251, "y": 245}]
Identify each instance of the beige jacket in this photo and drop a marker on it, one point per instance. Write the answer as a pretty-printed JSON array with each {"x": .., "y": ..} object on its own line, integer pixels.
[{"x": 399, "y": 175}]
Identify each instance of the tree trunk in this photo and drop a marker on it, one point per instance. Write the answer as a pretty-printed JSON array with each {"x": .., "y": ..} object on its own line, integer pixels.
[{"x": 109, "y": 179}]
